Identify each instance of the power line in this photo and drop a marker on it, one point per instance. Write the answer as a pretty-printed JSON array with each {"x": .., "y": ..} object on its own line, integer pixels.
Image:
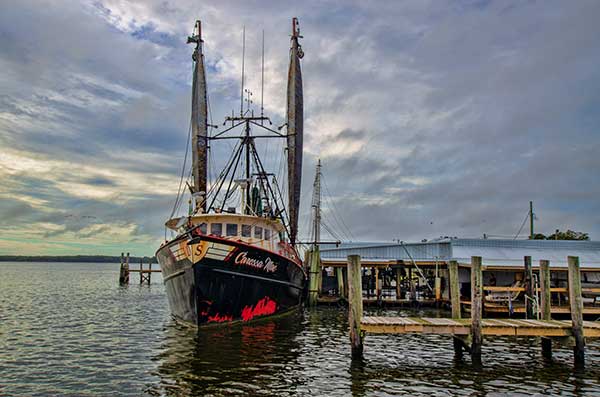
[{"x": 523, "y": 224}]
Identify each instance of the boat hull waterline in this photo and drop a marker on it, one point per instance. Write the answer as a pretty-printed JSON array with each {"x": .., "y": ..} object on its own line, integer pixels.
[{"x": 212, "y": 280}]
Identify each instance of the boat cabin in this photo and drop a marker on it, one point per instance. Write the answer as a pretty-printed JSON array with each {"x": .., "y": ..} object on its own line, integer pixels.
[{"x": 263, "y": 232}]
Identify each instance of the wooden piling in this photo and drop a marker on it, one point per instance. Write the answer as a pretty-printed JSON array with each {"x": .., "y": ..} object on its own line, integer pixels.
[
  {"x": 546, "y": 297},
  {"x": 377, "y": 285},
  {"x": 313, "y": 281},
  {"x": 150, "y": 273},
  {"x": 528, "y": 287},
  {"x": 122, "y": 269},
  {"x": 438, "y": 289},
  {"x": 125, "y": 269},
  {"x": 141, "y": 271},
  {"x": 355, "y": 303},
  {"x": 476, "y": 309},
  {"x": 317, "y": 260},
  {"x": 340, "y": 281},
  {"x": 454, "y": 289},
  {"x": 457, "y": 341},
  {"x": 413, "y": 288},
  {"x": 576, "y": 304},
  {"x": 398, "y": 283}
]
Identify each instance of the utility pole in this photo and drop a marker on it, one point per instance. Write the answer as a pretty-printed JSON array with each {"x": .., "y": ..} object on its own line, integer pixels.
[{"x": 531, "y": 220}]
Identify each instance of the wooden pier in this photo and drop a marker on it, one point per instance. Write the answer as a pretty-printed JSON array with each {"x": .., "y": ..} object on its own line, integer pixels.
[
  {"x": 468, "y": 334},
  {"x": 491, "y": 327},
  {"x": 125, "y": 270}
]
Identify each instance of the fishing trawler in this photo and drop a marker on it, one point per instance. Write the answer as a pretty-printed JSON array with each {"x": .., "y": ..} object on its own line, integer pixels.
[{"x": 237, "y": 264}]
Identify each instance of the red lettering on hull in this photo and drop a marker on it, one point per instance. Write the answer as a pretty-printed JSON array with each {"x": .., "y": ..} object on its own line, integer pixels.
[
  {"x": 263, "y": 307},
  {"x": 217, "y": 318}
]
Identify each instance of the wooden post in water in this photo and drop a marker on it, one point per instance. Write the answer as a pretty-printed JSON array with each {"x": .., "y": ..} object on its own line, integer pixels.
[
  {"x": 576, "y": 304},
  {"x": 340, "y": 281},
  {"x": 413, "y": 288},
  {"x": 476, "y": 309},
  {"x": 398, "y": 283},
  {"x": 545, "y": 303},
  {"x": 438, "y": 289},
  {"x": 122, "y": 269},
  {"x": 317, "y": 259},
  {"x": 377, "y": 284},
  {"x": 528, "y": 288},
  {"x": 141, "y": 271},
  {"x": 355, "y": 305},
  {"x": 126, "y": 269},
  {"x": 150, "y": 269},
  {"x": 455, "y": 304},
  {"x": 313, "y": 277}
]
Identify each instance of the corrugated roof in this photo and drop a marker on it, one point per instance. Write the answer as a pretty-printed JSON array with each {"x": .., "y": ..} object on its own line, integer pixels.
[{"x": 494, "y": 252}]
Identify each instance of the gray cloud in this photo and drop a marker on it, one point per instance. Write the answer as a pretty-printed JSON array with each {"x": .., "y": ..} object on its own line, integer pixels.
[{"x": 430, "y": 118}]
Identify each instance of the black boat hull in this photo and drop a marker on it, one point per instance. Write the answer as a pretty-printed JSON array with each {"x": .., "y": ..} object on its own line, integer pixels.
[{"x": 211, "y": 280}]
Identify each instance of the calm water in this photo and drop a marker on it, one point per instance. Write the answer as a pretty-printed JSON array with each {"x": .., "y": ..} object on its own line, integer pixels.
[{"x": 69, "y": 329}]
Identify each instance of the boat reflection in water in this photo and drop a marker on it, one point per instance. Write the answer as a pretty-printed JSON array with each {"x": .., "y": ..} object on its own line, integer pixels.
[{"x": 245, "y": 359}]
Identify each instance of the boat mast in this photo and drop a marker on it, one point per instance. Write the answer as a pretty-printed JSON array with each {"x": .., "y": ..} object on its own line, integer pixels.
[
  {"x": 199, "y": 122},
  {"x": 316, "y": 205},
  {"x": 295, "y": 128}
]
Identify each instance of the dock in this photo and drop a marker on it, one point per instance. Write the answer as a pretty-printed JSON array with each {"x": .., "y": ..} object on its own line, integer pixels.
[
  {"x": 489, "y": 327},
  {"x": 468, "y": 333},
  {"x": 125, "y": 270}
]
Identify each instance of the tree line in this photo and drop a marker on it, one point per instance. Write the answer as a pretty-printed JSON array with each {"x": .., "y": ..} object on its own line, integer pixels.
[
  {"x": 74, "y": 258},
  {"x": 558, "y": 235}
]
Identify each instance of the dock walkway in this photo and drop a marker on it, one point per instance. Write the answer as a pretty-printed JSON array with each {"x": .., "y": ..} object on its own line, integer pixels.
[
  {"x": 491, "y": 327},
  {"x": 468, "y": 334}
]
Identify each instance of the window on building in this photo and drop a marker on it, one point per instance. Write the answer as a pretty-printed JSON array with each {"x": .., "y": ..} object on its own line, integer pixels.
[
  {"x": 246, "y": 231},
  {"x": 202, "y": 228},
  {"x": 216, "y": 228},
  {"x": 267, "y": 234},
  {"x": 258, "y": 232},
  {"x": 232, "y": 229}
]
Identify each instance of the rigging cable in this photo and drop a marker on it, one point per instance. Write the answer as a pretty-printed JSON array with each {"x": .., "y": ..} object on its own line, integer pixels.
[
  {"x": 335, "y": 211},
  {"x": 179, "y": 191}
]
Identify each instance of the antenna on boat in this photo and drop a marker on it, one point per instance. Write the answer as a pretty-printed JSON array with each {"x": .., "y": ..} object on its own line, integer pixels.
[
  {"x": 262, "y": 81},
  {"x": 243, "y": 57}
]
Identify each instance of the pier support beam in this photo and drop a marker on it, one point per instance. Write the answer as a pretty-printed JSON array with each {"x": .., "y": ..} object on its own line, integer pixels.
[
  {"x": 355, "y": 305},
  {"x": 476, "y": 309},
  {"x": 528, "y": 288},
  {"x": 576, "y": 304},
  {"x": 340, "y": 282},
  {"x": 313, "y": 276},
  {"x": 413, "y": 287},
  {"x": 398, "y": 283},
  {"x": 438, "y": 288},
  {"x": 377, "y": 285},
  {"x": 458, "y": 341},
  {"x": 123, "y": 271},
  {"x": 141, "y": 271},
  {"x": 545, "y": 304}
]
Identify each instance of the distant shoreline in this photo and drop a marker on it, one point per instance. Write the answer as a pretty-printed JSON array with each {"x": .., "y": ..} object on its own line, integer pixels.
[{"x": 74, "y": 258}]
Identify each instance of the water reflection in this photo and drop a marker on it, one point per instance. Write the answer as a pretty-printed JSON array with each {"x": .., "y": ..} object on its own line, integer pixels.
[
  {"x": 243, "y": 359},
  {"x": 309, "y": 354}
]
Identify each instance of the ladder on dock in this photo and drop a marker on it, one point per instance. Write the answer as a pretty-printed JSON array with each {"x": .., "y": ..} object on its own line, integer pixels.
[{"x": 468, "y": 333}]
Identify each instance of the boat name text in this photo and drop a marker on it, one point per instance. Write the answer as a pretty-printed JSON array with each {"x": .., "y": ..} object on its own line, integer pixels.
[{"x": 267, "y": 265}]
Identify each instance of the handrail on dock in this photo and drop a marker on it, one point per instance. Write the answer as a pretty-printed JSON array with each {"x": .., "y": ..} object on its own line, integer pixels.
[{"x": 468, "y": 333}]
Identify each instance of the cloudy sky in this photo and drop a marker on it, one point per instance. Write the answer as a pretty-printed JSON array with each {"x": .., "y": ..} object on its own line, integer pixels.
[{"x": 431, "y": 118}]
